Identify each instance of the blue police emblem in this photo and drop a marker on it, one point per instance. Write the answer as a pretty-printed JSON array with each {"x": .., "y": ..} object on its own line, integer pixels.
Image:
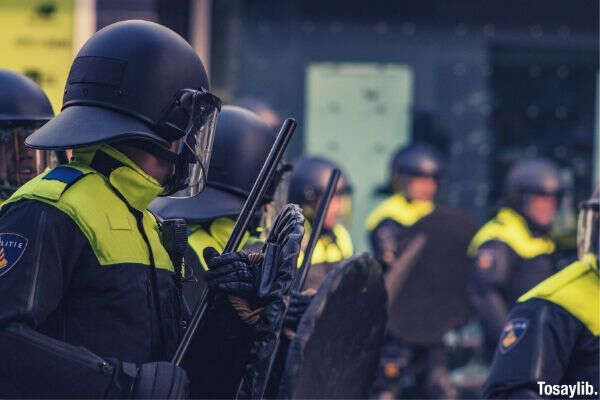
[
  {"x": 513, "y": 332},
  {"x": 12, "y": 247}
]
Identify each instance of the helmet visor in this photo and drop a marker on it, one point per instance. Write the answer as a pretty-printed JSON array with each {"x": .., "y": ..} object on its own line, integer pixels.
[
  {"x": 19, "y": 163},
  {"x": 587, "y": 231},
  {"x": 195, "y": 148}
]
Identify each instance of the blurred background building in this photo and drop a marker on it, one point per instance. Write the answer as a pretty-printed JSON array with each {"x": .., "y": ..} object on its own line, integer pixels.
[{"x": 486, "y": 83}]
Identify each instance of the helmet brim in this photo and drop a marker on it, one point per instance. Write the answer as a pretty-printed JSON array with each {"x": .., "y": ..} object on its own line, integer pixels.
[
  {"x": 207, "y": 205},
  {"x": 80, "y": 126}
]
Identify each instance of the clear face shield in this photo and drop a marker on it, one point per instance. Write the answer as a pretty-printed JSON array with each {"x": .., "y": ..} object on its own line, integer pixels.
[
  {"x": 191, "y": 119},
  {"x": 587, "y": 231},
  {"x": 19, "y": 163}
]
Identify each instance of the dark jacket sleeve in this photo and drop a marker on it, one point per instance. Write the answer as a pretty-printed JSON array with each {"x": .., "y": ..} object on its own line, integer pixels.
[
  {"x": 33, "y": 284},
  {"x": 385, "y": 242},
  {"x": 489, "y": 275},
  {"x": 539, "y": 352}
]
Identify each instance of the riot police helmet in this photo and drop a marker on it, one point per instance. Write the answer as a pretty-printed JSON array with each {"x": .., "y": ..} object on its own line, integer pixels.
[
  {"x": 533, "y": 176},
  {"x": 528, "y": 182},
  {"x": 413, "y": 160},
  {"x": 22, "y": 101},
  {"x": 140, "y": 82},
  {"x": 417, "y": 159},
  {"x": 24, "y": 107},
  {"x": 309, "y": 180}
]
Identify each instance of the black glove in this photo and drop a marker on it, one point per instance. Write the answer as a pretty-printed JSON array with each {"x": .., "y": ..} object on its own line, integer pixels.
[
  {"x": 279, "y": 270},
  {"x": 231, "y": 273},
  {"x": 299, "y": 302},
  {"x": 153, "y": 380}
]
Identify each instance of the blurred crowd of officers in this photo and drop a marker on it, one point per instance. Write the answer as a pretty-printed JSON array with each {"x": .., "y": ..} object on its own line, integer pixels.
[{"x": 83, "y": 194}]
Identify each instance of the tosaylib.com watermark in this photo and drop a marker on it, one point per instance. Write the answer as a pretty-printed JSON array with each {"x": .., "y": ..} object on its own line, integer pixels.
[{"x": 571, "y": 391}]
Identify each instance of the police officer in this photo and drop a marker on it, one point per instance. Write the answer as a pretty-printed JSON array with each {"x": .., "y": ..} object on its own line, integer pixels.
[
  {"x": 307, "y": 185},
  {"x": 411, "y": 366},
  {"x": 24, "y": 107},
  {"x": 551, "y": 337},
  {"x": 242, "y": 143},
  {"x": 413, "y": 184},
  {"x": 91, "y": 307},
  {"x": 513, "y": 252}
]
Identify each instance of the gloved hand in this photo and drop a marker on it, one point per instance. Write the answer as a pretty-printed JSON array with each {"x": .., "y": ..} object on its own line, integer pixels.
[
  {"x": 231, "y": 273},
  {"x": 153, "y": 380},
  {"x": 278, "y": 272},
  {"x": 290, "y": 221},
  {"x": 299, "y": 302}
]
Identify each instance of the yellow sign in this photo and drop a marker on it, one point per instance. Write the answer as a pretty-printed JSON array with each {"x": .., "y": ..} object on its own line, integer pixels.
[{"x": 37, "y": 40}]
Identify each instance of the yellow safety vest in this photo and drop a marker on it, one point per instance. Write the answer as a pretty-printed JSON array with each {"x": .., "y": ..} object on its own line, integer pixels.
[
  {"x": 91, "y": 202},
  {"x": 575, "y": 288},
  {"x": 216, "y": 236},
  {"x": 399, "y": 209},
  {"x": 511, "y": 228},
  {"x": 327, "y": 250}
]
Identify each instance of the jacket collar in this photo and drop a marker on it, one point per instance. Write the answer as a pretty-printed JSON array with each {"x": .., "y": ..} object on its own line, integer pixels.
[{"x": 136, "y": 186}]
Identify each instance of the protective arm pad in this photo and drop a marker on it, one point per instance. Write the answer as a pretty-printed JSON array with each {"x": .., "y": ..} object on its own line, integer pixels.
[{"x": 35, "y": 365}]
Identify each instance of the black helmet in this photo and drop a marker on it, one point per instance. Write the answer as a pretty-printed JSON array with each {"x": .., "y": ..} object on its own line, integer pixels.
[
  {"x": 23, "y": 108},
  {"x": 242, "y": 142},
  {"x": 22, "y": 101},
  {"x": 141, "y": 82},
  {"x": 309, "y": 180},
  {"x": 588, "y": 226},
  {"x": 532, "y": 176},
  {"x": 262, "y": 109},
  {"x": 418, "y": 159}
]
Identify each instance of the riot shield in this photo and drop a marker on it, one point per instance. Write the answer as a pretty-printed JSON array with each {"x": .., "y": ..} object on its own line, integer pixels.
[
  {"x": 335, "y": 351},
  {"x": 426, "y": 284}
]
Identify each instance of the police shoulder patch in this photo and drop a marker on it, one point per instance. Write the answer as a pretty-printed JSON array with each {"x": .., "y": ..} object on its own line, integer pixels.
[
  {"x": 12, "y": 247},
  {"x": 513, "y": 332}
]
